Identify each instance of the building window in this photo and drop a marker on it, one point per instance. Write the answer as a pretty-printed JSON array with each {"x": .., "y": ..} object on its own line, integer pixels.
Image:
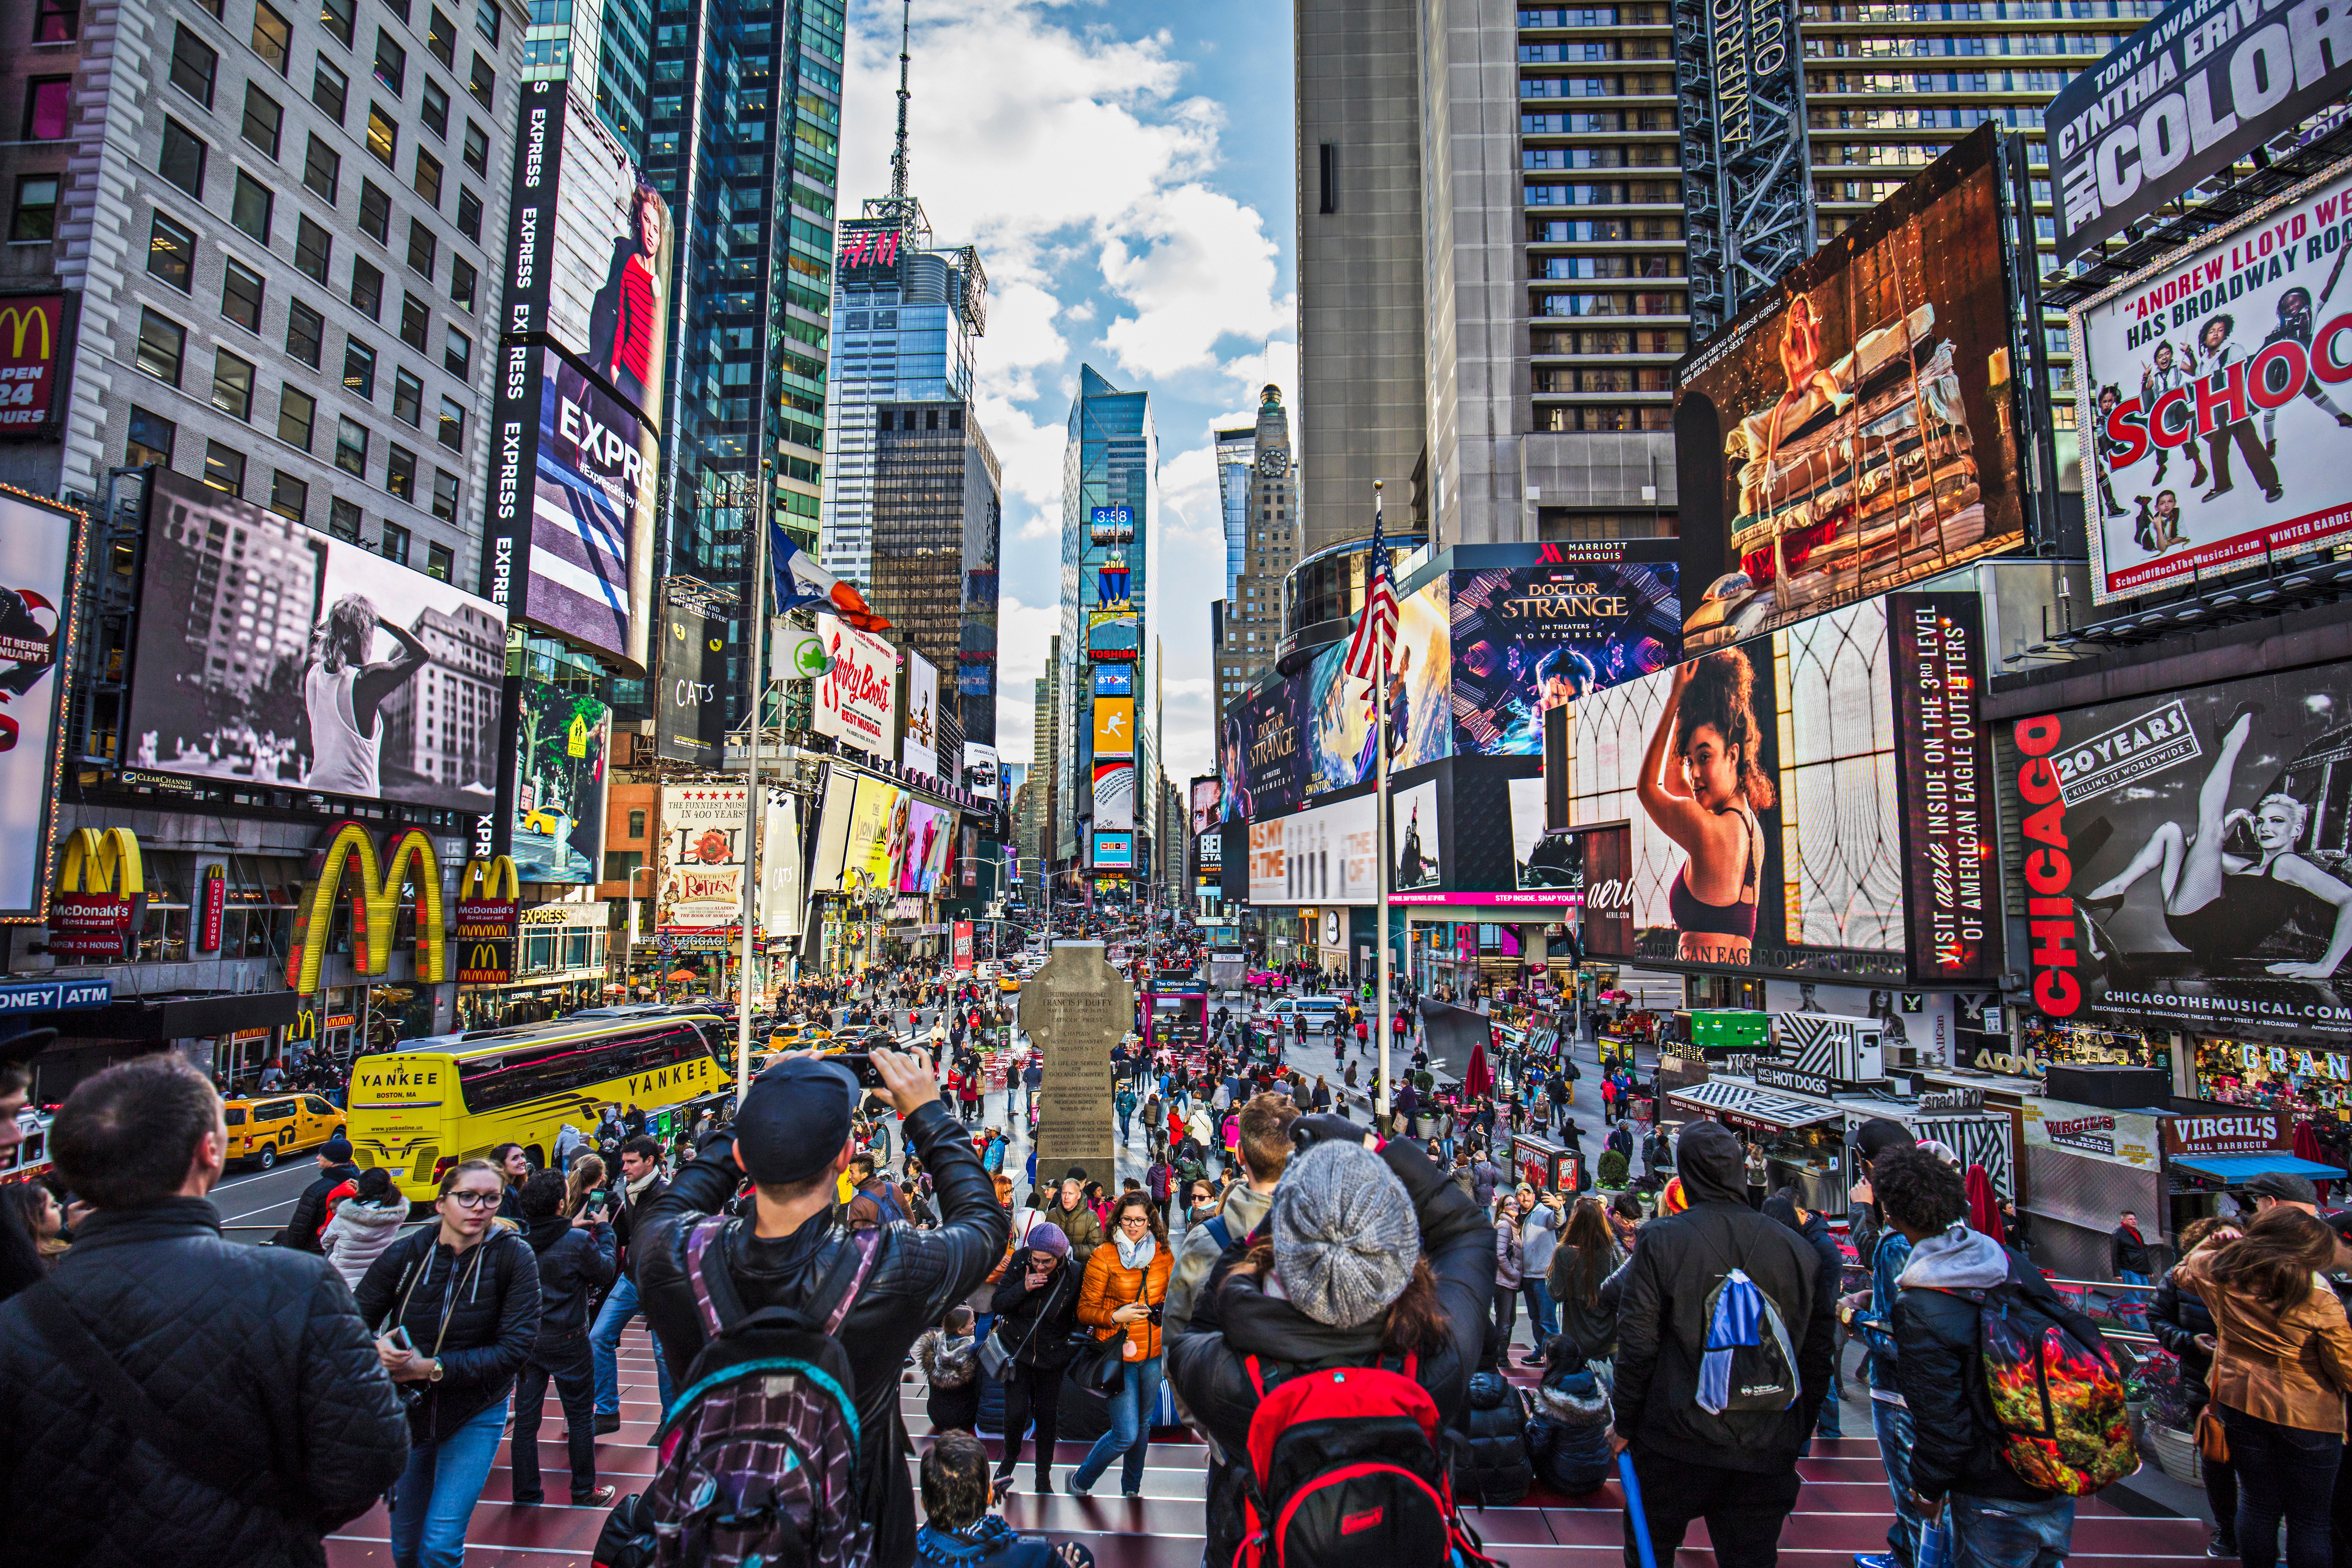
[
  {"x": 151, "y": 440},
  {"x": 305, "y": 331},
  {"x": 416, "y": 322},
  {"x": 49, "y": 107},
  {"x": 485, "y": 83},
  {"x": 232, "y": 385},
  {"x": 298, "y": 413},
  {"x": 343, "y": 519},
  {"x": 400, "y": 473},
  {"x": 36, "y": 218},
  {"x": 636, "y": 825},
  {"x": 241, "y": 296},
  {"x": 424, "y": 247},
  {"x": 163, "y": 346},
  {"x": 391, "y": 62},
  {"x": 273, "y": 36},
  {"x": 322, "y": 170},
  {"x": 453, "y": 425},
  {"x": 441, "y": 38},
  {"x": 57, "y": 21},
  {"x": 458, "y": 353},
  {"x": 395, "y": 544},
  {"x": 358, "y": 368},
  {"x": 434, "y": 107},
  {"x": 352, "y": 447},
  {"x": 251, "y": 208},
  {"x": 445, "y": 495},
  {"x": 382, "y": 135},
  {"x": 338, "y": 17},
  {"x": 367, "y": 288},
  {"x": 264, "y": 119},
  {"x": 375, "y": 212},
  {"x": 182, "y": 162},
  {"x": 462, "y": 280},
  {"x": 407, "y": 398},
  {"x": 290, "y": 497},
  {"x": 485, "y": 19},
  {"x": 171, "y": 251},
  {"x": 439, "y": 562},
  {"x": 195, "y": 64},
  {"x": 224, "y": 467},
  {"x": 469, "y": 215},
  {"x": 330, "y": 88},
  {"x": 477, "y": 150},
  {"x": 620, "y": 865},
  {"x": 313, "y": 248}
]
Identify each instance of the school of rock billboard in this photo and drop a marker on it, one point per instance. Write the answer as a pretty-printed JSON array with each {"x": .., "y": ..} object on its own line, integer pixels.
[
  {"x": 2186, "y": 856},
  {"x": 1853, "y": 431},
  {"x": 2220, "y": 385}
]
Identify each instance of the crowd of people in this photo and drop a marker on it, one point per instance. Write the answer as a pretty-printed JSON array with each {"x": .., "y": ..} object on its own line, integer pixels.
[{"x": 1316, "y": 1285}]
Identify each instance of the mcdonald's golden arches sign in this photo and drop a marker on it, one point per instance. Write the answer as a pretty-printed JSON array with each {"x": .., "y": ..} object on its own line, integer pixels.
[{"x": 350, "y": 852}]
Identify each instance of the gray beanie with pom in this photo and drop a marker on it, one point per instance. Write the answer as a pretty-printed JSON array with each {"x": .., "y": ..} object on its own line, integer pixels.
[{"x": 1345, "y": 1239}]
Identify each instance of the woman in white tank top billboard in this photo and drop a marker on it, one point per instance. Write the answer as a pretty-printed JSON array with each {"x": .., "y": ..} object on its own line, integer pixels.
[{"x": 344, "y": 694}]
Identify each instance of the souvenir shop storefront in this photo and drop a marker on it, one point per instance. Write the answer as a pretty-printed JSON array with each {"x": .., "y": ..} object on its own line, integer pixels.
[{"x": 2311, "y": 1085}]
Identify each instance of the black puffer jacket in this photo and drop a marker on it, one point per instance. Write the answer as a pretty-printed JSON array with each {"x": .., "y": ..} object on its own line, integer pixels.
[
  {"x": 1662, "y": 1326},
  {"x": 1957, "y": 1443},
  {"x": 258, "y": 1348},
  {"x": 2177, "y": 1317},
  {"x": 1208, "y": 1363},
  {"x": 491, "y": 1296},
  {"x": 575, "y": 1263},
  {"x": 309, "y": 1217},
  {"x": 917, "y": 1276},
  {"x": 1037, "y": 1325},
  {"x": 1491, "y": 1469}
]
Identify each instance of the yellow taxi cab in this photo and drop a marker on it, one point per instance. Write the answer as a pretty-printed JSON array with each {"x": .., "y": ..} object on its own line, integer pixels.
[
  {"x": 1008, "y": 983},
  {"x": 270, "y": 1127}
]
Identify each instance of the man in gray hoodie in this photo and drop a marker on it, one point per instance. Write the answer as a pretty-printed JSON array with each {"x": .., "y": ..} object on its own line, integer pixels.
[{"x": 1265, "y": 1130}]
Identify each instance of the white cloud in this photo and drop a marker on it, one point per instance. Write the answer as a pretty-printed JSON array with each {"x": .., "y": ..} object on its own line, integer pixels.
[
  {"x": 1198, "y": 267},
  {"x": 1024, "y": 633}
]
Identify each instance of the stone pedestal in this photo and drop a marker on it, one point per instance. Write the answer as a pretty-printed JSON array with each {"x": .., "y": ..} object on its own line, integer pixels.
[{"x": 1074, "y": 1010}]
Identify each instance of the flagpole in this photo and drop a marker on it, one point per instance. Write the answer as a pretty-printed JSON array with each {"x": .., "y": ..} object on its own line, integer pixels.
[
  {"x": 758, "y": 606},
  {"x": 1382, "y": 828}
]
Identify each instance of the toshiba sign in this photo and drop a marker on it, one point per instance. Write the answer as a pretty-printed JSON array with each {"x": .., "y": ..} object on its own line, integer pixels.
[{"x": 2250, "y": 1133}]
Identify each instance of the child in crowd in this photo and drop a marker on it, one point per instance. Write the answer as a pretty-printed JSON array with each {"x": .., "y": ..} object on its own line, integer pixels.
[
  {"x": 949, "y": 1357},
  {"x": 961, "y": 1532}
]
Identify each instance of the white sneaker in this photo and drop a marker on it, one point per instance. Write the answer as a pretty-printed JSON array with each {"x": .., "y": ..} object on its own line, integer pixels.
[{"x": 1073, "y": 1489}]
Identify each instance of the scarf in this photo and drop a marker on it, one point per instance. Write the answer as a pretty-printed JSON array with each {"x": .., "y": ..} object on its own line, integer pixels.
[
  {"x": 637, "y": 1187},
  {"x": 1138, "y": 1254}
]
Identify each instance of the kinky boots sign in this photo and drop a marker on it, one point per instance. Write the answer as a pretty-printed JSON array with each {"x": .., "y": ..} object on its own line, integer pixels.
[{"x": 1073, "y": 1011}]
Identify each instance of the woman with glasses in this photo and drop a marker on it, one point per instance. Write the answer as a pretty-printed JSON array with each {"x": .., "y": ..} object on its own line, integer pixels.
[
  {"x": 454, "y": 1309},
  {"x": 1126, "y": 1288}
]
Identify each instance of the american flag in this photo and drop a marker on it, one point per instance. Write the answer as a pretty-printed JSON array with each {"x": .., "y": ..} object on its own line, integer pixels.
[{"x": 1368, "y": 649}]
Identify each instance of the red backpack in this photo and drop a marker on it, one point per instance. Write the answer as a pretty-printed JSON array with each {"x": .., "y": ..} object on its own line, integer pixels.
[{"x": 1345, "y": 1470}]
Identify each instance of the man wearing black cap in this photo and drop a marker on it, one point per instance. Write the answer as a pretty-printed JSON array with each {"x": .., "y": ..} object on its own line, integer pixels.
[
  {"x": 792, "y": 1138},
  {"x": 311, "y": 1215},
  {"x": 2271, "y": 1188}
]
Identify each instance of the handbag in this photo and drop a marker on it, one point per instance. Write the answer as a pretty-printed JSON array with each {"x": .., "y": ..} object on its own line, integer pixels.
[
  {"x": 1097, "y": 1365},
  {"x": 994, "y": 1359},
  {"x": 2212, "y": 1438}
]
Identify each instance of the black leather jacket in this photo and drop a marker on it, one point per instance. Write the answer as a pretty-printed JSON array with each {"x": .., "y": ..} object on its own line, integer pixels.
[{"x": 917, "y": 1276}]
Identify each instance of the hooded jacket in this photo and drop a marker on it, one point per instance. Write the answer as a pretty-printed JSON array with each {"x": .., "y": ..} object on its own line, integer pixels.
[
  {"x": 310, "y": 1215},
  {"x": 1568, "y": 1432},
  {"x": 1816, "y": 1233},
  {"x": 1242, "y": 1212},
  {"x": 488, "y": 1298},
  {"x": 1208, "y": 1365},
  {"x": 1957, "y": 1443},
  {"x": 360, "y": 1232},
  {"x": 1662, "y": 1325},
  {"x": 915, "y": 1277},
  {"x": 257, "y": 1347},
  {"x": 1593, "y": 1327},
  {"x": 1493, "y": 1471},
  {"x": 574, "y": 1264}
]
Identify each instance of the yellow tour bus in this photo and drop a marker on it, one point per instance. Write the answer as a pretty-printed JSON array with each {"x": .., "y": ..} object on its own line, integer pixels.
[{"x": 420, "y": 1110}]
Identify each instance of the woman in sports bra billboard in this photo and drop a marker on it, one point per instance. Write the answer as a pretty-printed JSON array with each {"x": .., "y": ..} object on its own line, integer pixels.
[{"x": 1703, "y": 782}]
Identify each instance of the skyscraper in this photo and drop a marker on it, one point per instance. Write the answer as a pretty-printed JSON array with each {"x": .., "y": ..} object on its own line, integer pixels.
[
  {"x": 1537, "y": 240},
  {"x": 1251, "y": 623},
  {"x": 1236, "y": 453},
  {"x": 1110, "y": 514},
  {"x": 912, "y": 510}
]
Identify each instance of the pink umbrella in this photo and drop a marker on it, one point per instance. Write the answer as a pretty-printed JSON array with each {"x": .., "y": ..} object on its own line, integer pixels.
[{"x": 1478, "y": 1082}]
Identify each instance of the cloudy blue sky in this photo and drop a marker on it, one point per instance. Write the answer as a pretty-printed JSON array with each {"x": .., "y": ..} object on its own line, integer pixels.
[{"x": 1126, "y": 170}]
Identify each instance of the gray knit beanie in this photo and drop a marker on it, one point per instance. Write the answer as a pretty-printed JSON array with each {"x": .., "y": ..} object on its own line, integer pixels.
[{"x": 1345, "y": 1239}]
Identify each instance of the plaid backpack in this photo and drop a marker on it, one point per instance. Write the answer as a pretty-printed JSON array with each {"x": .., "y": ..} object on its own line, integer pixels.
[{"x": 758, "y": 1458}]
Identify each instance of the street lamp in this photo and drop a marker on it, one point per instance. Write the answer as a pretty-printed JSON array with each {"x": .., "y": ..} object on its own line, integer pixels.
[{"x": 629, "y": 930}]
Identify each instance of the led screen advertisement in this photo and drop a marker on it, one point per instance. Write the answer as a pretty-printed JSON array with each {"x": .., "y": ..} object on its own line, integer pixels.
[
  {"x": 268, "y": 654},
  {"x": 689, "y": 709},
  {"x": 1325, "y": 855},
  {"x": 1759, "y": 787},
  {"x": 1206, "y": 806},
  {"x": 929, "y": 830},
  {"x": 2186, "y": 856},
  {"x": 1943, "y": 751},
  {"x": 40, "y": 572},
  {"x": 2183, "y": 99},
  {"x": 702, "y": 846},
  {"x": 560, "y": 746},
  {"x": 919, "y": 751},
  {"x": 1114, "y": 784},
  {"x": 2220, "y": 385},
  {"x": 983, "y": 772},
  {"x": 1853, "y": 431},
  {"x": 856, "y": 698},
  {"x": 1113, "y": 726},
  {"x": 1259, "y": 757}
]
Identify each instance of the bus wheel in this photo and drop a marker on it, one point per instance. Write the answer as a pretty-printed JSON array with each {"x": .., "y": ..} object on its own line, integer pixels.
[{"x": 269, "y": 1156}]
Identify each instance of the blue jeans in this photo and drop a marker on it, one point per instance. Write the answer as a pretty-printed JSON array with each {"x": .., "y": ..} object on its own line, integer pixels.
[
  {"x": 1995, "y": 1533},
  {"x": 436, "y": 1495},
  {"x": 1539, "y": 1311},
  {"x": 1122, "y": 1126},
  {"x": 2284, "y": 1472},
  {"x": 2132, "y": 1305},
  {"x": 1130, "y": 1428},
  {"x": 605, "y": 1343},
  {"x": 1892, "y": 1423}
]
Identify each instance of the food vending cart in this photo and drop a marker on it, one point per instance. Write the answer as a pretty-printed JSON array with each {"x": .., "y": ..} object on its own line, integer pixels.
[{"x": 1547, "y": 1166}]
